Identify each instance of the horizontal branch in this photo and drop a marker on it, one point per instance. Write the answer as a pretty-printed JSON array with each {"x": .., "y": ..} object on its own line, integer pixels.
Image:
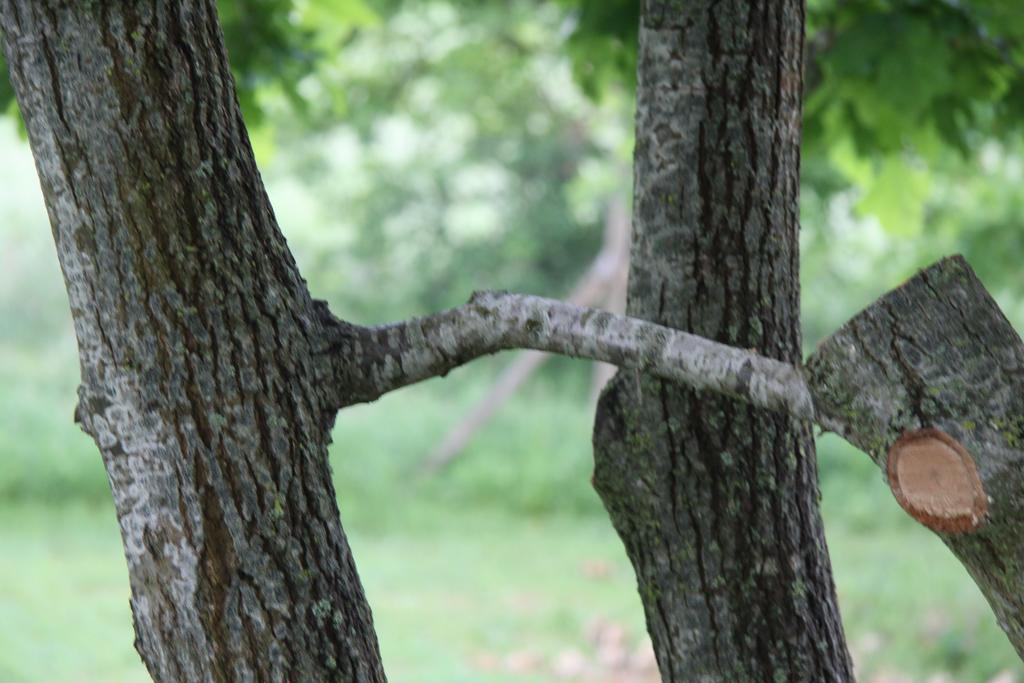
[
  {"x": 376, "y": 360},
  {"x": 929, "y": 380}
]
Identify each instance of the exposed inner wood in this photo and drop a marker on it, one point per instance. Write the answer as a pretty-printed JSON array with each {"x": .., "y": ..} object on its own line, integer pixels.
[
  {"x": 938, "y": 352},
  {"x": 935, "y": 480}
]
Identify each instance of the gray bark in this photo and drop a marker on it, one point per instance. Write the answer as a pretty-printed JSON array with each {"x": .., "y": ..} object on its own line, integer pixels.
[
  {"x": 601, "y": 280},
  {"x": 716, "y": 501},
  {"x": 938, "y": 354},
  {"x": 210, "y": 377},
  {"x": 203, "y": 382},
  {"x": 371, "y": 361}
]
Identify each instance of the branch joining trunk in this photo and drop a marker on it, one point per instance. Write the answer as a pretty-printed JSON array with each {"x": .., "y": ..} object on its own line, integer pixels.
[
  {"x": 716, "y": 501},
  {"x": 201, "y": 384},
  {"x": 927, "y": 380},
  {"x": 209, "y": 375}
]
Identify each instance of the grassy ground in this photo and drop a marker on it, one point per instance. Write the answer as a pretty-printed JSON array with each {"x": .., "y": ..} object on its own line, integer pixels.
[
  {"x": 496, "y": 571},
  {"x": 480, "y": 588}
]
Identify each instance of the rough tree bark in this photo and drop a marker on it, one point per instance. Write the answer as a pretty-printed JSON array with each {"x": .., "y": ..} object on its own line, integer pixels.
[
  {"x": 202, "y": 379},
  {"x": 716, "y": 501},
  {"x": 936, "y": 365},
  {"x": 210, "y": 377}
]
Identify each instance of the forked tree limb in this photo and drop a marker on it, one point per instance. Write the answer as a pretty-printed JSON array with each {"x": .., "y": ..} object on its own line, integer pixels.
[{"x": 399, "y": 354}]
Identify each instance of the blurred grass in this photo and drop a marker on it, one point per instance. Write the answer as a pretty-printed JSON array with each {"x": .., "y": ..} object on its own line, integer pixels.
[
  {"x": 444, "y": 595},
  {"x": 493, "y": 558}
]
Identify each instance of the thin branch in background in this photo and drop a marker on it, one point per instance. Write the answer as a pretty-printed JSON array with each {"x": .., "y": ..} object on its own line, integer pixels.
[{"x": 605, "y": 280}]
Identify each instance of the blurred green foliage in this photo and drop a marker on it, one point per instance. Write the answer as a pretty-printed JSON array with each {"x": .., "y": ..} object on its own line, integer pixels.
[
  {"x": 447, "y": 146},
  {"x": 891, "y": 86},
  {"x": 271, "y": 43},
  {"x": 470, "y": 158},
  {"x": 415, "y": 151}
]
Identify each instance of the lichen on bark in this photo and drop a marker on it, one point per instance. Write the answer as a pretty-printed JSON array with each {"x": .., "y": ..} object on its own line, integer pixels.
[
  {"x": 202, "y": 377},
  {"x": 937, "y": 355},
  {"x": 715, "y": 501}
]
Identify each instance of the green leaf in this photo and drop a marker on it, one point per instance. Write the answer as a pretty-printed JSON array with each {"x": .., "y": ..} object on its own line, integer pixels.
[
  {"x": 331, "y": 21},
  {"x": 896, "y": 197},
  {"x": 914, "y": 68}
]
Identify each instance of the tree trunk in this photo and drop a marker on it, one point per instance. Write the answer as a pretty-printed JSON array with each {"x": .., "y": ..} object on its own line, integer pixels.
[
  {"x": 716, "y": 501},
  {"x": 210, "y": 378},
  {"x": 202, "y": 381}
]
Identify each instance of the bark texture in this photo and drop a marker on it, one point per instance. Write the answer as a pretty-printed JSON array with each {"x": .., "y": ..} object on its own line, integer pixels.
[
  {"x": 716, "y": 501},
  {"x": 202, "y": 374},
  {"x": 210, "y": 378},
  {"x": 371, "y": 361},
  {"x": 938, "y": 354}
]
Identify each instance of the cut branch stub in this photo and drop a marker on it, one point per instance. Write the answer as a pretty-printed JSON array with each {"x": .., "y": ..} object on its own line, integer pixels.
[
  {"x": 934, "y": 479},
  {"x": 929, "y": 381}
]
